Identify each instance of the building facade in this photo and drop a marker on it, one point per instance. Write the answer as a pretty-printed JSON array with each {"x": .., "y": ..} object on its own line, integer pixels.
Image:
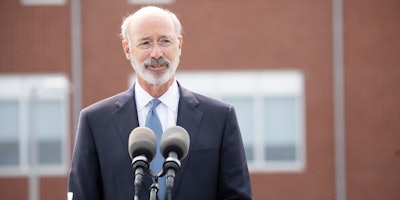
[{"x": 314, "y": 83}]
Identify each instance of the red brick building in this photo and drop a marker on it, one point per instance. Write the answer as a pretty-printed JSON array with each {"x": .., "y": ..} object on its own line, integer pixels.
[{"x": 59, "y": 56}]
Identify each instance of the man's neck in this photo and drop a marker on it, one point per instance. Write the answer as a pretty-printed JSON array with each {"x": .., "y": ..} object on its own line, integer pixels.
[{"x": 156, "y": 91}]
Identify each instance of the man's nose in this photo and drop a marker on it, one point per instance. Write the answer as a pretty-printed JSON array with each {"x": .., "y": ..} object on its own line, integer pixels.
[{"x": 156, "y": 51}]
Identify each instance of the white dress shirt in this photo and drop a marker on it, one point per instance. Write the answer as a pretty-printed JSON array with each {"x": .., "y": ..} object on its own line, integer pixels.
[{"x": 167, "y": 110}]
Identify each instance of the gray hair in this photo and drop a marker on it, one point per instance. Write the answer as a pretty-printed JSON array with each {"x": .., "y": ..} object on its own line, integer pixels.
[{"x": 126, "y": 22}]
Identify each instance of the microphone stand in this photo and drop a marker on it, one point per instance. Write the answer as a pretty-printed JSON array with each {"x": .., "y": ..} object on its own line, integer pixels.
[
  {"x": 170, "y": 167},
  {"x": 154, "y": 187},
  {"x": 153, "y": 191}
]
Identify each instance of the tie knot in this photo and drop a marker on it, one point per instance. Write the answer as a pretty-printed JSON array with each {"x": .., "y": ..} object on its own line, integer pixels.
[{"x": 154, "y": 103}]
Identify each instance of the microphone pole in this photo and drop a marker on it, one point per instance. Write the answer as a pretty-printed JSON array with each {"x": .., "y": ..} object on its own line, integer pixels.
[
  {"x": 154, "y": 187},
  {"x": 171, "y": 165},
  {"x": 154, "y": 190}
]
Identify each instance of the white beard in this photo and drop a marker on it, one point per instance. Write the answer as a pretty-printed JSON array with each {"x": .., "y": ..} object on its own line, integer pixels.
[{"x": 155, "y": 78}]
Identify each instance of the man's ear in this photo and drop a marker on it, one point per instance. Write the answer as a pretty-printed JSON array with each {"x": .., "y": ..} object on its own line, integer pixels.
[
  {"x": 180, "y": 39},
  {"x": 125, "y": 47}
]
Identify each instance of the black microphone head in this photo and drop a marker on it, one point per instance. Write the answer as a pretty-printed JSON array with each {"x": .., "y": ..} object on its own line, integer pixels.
[
  {"x": 175, "y": 139},
  {"x": 142, "y": 141}
]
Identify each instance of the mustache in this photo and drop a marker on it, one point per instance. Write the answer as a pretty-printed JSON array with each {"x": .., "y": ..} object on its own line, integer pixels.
[{"x": 156, "y": 62}]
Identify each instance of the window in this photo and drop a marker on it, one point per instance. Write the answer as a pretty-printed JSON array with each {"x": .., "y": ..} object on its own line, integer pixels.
[
  {"x": 33, "y": 124},
  {"x": 150, "y": 1},
  {"x": 270, "y": 110}
]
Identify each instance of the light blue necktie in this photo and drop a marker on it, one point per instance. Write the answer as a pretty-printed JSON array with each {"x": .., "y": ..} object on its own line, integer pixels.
[{"x": 153, "y": 122}]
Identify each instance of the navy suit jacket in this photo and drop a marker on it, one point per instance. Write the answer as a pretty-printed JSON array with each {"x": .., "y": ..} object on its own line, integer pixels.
[{"x": 215, "y": 167}]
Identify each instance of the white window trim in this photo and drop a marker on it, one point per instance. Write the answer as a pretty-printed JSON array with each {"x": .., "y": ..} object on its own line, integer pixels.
[{"x": 43, "y": 2}]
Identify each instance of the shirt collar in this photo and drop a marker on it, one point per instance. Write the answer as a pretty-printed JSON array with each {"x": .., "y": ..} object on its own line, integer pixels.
[{"x": 170, "y": 98}]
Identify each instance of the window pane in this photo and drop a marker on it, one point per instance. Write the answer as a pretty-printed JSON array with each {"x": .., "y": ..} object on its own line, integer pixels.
[
  {"x": 280, "y": 127},
  {"x": 9, "y": 133},
  {"x": 244, "y": 112},
  {"x": 46, "y": 122}
]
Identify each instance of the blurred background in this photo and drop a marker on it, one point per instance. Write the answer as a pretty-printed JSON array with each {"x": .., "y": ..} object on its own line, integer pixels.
[{"x": 315, "y": 85}]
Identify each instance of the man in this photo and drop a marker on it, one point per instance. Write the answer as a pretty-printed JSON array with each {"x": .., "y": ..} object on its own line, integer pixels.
[{"x": 215, "y": 167}]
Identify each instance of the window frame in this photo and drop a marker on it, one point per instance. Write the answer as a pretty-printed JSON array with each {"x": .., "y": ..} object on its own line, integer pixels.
[
  {"x": 26, "y": 89},
  {"x": 258, "y": 85}
]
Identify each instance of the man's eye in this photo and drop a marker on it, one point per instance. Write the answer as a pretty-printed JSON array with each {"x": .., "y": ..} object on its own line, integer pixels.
[
  {"x": 144, "y": 44},
  {"x": 165, "y": 41}
]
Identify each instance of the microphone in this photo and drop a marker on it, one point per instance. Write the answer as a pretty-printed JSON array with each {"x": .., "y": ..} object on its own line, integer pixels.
[
  {"x": 142, "y": 147},
  {"x": 174, "y": 147}
]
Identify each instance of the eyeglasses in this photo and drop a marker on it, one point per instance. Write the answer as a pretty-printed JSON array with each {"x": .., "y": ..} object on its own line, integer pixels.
[{"x": 163, "y": 43}]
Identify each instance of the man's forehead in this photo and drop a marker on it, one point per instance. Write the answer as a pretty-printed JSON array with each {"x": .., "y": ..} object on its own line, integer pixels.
[
  {"x": 152, "y": 23},
  {"x": 150, "y": 13}
]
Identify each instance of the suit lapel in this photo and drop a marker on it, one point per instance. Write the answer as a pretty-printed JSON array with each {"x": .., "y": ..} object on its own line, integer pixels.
[
  {"x": 189, "y": 117},
  {"x": 126, "y": 119}
]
